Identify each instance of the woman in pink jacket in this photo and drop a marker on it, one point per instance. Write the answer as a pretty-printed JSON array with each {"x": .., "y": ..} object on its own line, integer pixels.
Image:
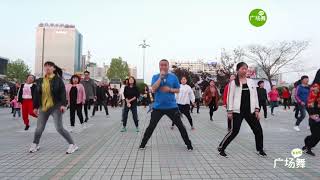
[
  {"x": 273, "y": 98},
  {"x": 76, "y": 97}
]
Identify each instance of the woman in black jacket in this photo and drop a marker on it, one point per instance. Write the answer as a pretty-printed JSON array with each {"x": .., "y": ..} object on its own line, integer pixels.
[
  {"x": 131, "y": 94},
  {"x": 102, "y": 99},
  {"x": 51, "y": 100}
]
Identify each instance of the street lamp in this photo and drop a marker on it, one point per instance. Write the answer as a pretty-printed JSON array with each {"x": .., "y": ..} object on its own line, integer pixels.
[{"x": 144, "y": 46}]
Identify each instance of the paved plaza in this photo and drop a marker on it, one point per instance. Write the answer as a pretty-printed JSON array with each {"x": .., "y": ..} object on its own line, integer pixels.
[{"x": 106, "y": 153}]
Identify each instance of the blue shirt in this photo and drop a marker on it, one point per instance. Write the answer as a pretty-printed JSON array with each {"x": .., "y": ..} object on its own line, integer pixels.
[
  {"x": 302, "y": 93},
  {"x": 165, "y": 100}
]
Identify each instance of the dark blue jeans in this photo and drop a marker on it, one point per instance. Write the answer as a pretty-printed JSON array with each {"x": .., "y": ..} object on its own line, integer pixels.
[
  {"x": 125, "y": 112},
  {"x": 302, "y": 111}
]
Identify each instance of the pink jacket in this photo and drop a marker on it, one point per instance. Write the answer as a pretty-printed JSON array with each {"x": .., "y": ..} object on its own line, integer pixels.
[
  {"x": 81, "y": 95},
  {"x": 273, "y": 95},
  {"x": 15, "y": 104}
]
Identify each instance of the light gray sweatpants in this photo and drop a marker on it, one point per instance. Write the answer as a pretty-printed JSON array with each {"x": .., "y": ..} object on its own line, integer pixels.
[{"x": 57, "y": 118}]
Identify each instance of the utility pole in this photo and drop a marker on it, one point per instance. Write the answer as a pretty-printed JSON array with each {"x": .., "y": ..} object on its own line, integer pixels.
[{"x": 144, "y": 46}]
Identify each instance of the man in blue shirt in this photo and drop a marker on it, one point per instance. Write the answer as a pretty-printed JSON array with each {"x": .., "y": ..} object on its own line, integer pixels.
[
  {"x": 302, "y": 94},
  {"x": 165, "y": 85}
]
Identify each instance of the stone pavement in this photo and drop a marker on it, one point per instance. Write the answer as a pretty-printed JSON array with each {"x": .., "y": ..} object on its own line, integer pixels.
[{"x": 106, "y": 153}]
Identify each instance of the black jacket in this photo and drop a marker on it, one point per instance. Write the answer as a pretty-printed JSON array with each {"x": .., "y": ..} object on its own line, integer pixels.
[
  {"x": 262, "y": 95},
  {"x": 20, "y": 92},
  {"x": 101, "y": 93},
  {"x": 58, "y": 92}
]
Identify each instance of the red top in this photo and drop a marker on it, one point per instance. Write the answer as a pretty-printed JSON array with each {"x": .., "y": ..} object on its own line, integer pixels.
[
  {"x": 285, "y": 94},
  {"x": 225, "y": 94}
]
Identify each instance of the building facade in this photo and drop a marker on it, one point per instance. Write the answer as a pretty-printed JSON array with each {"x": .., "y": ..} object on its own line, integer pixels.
[
  {"x": 3, "y": 66},
  {"x": 197, "y": 66},
  {"x": 61, "y": 44}
]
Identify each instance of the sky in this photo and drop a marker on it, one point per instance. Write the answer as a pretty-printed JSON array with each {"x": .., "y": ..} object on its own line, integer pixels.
[{"x": 175, "y": 29}]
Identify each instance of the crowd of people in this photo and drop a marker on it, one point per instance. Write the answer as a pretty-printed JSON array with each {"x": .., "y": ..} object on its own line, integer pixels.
[{"x": 168, "y": 95}]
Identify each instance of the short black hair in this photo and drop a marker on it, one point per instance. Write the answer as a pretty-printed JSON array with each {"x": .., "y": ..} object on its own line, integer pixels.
[
  {"x": 75, "y": 76},
  {"x": 260, "y": 82},
  {"x": 164, "y": 60},
  {"x": 86, "y": 72},
  {"x": 304, "y": 77}
]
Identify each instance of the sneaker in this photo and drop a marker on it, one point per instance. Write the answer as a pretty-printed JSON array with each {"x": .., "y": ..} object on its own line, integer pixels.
[
  {"x": 190, "y": 148},
  {"x": 137, "y": 129},
  {"x": 142, "y": 147},
  {"x": 34, "y": 148},
  {"x": 211, "y": 119},
  {"x": 310, "y": 152},
  {"x": 296, "y": 128},
  {"x": 86, "y": 119},
  {"x": 262, "y": 153},
  {"x": 123, "y": 129},
  {"x": 72, "y": 148},
  {"x": 223, "y": 154},
  {"x": 108, "y": 116},
  {"x": 26, "y": 128}
]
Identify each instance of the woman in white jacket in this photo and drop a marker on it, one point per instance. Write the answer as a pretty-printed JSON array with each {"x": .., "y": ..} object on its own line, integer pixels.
[{"x": 242, "y": 103}]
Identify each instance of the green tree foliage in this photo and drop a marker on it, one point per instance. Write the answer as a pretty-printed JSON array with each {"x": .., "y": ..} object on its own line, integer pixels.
[
  {"x": 118, "y": 69},
  {"x": 17, "y": 71}
]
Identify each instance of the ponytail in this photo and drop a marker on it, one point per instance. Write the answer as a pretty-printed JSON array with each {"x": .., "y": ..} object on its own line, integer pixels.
[{"x": 58, "y": 71}]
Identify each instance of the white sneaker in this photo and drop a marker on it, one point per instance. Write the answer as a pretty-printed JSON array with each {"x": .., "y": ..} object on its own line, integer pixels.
[
  {"x": 34, "y": 148},
  {"x": 308, "y": 127},
  {"x": 296, "y": 128},
  {"x": 72, "y": 148}
]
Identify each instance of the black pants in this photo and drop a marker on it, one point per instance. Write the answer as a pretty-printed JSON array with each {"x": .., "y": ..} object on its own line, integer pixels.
[
  {"x": 312, "y": 140},
  {"x": 98, "y": 104},
  {"x": 229, "y": 123},
  {"x": 286, "y": 103},
  {"x": 235, "y": 128},
  {"x": 197, "y": 101},
  {"x": 87, "y": 106},
  {"x": 212, "y": 107},
  {"x": 73, "y": 109},
  {"x": 125, "y": 112},
  {"x": 185, "y": 109},
  {"x": 264, "y": 106},
  {"x": 114, "y": 102},
  {"x": 174, "y": 115}
]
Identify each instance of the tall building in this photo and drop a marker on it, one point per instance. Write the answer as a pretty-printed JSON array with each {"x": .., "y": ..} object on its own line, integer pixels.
[
  {"x": 3, "y": 66},
  {"x": 133, "y": 71},
  {"x": 96, "y": 72},
  {"x": 197, "y": 66},
  {"x": 60, "y": 43}
]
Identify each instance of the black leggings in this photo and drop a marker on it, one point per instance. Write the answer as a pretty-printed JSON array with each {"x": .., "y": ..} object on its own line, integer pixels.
[
  {"x": 264, "y": 106},
  {"x": 312, "y": 140},
  {"x": 185, "y": 109},
  {"x": 235, "y": 128},
  {"x": 286, "y": 103},
  {"x": 212, "y": 106},
  {"x": 174, "y": 115},
  {"x": 73, "y": 109},
  {"x": 197, "y": 101},
  {"x": 100, "y": 103}
]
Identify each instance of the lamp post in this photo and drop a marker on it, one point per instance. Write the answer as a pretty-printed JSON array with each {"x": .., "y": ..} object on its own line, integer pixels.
[{"x": 144, "y": 46}]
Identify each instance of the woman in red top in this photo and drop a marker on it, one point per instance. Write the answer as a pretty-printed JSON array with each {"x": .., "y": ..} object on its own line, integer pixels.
[
  {"x": 273, "y": 98},
  {"x": 286, "y": 97},
  {"x": 211, "y": 97},
  {"x": 225, "y": 97}
]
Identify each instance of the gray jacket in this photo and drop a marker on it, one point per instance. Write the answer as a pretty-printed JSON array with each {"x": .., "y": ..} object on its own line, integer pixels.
[{"x": 90, "y": 88}]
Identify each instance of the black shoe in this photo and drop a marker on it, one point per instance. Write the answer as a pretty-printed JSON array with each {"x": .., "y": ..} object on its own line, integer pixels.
[
  {"x": 211, "y": 119},
  {"x": 142, "y": 147},
  {"x": 190, "y": 148},
  {"x": 310, "y": 152},
  {"x": 223, "y": 154},
  {"x": 304, "y": 148},
  {"x": 86, "y": 119},
  {"x": 262, "y": 153},
  {"x": 219, "y": 149},
  {"x": 26, "y": 128}
]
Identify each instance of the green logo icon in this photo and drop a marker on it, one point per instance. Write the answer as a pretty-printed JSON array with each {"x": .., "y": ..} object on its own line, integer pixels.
[
  {"x": 296, "y": 152},
  {"x": 257, "y": 17}
]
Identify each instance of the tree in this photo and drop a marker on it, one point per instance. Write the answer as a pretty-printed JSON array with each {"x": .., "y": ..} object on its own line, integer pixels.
[
  {"x": 227, "y": 65},
  {"x": 17, "y": 71},
  {"x": 273, "y": 59},
  {"x": 118, "y": 69},
  {"x": 192, "y": 77}
]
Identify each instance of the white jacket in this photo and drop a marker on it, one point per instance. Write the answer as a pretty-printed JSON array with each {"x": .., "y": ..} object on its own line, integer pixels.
[
  {"x": 185, "y": 95},
  {"x": 234, "y": 96}
]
